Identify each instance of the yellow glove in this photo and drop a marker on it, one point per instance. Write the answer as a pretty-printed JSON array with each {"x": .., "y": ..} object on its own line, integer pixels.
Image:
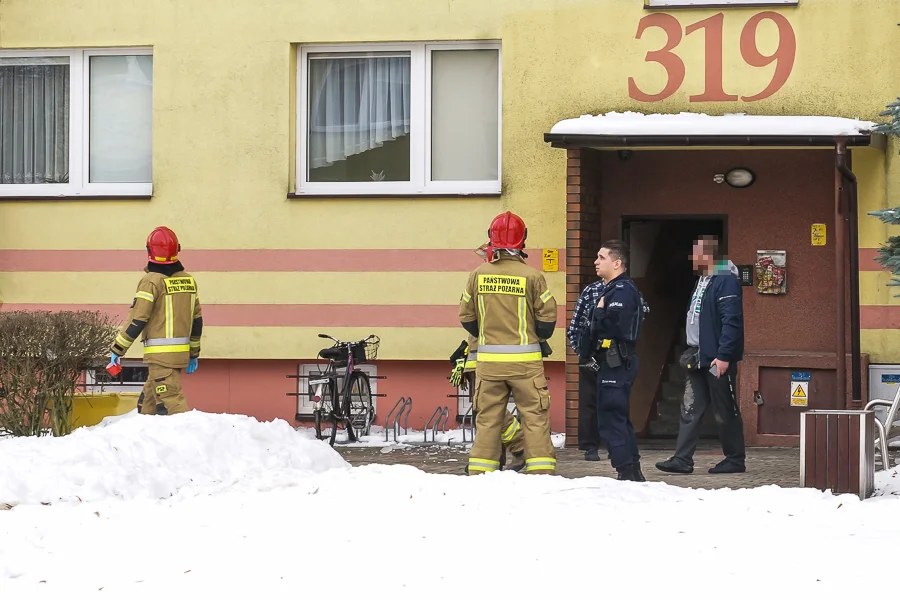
[{"x": 456, "y": 375}]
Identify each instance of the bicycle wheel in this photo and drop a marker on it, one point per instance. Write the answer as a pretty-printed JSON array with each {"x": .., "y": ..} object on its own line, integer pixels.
[
  {"x": 326, "y": 409},
  {"x": 358, "y": 405}
]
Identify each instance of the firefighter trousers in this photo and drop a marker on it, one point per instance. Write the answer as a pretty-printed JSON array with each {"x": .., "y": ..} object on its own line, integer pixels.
[
  {"x": 532, "y": 398},
  {"x": 512, "y": 438},
  {"x": 162, "y": 394}
]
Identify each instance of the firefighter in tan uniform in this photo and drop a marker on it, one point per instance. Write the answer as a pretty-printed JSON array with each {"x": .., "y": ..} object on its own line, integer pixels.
[
  {"x": 166, "y": 310},
  {"x": 464, "y": 361},
  {"x": 507, "y": 306}
]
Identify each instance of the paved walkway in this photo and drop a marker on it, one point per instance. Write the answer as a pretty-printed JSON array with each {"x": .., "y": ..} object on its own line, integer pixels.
[{"x": 765, "y": 466}]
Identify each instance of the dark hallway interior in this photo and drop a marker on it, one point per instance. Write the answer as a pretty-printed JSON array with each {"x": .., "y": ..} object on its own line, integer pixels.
[{"x": 661, "y": 266}]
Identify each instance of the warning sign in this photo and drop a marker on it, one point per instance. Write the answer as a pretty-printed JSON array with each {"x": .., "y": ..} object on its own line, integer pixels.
[
  {"x": 817, "y": 234},
  {"x": 799, "y": 393},
  {"x": 550, "y": 259}
]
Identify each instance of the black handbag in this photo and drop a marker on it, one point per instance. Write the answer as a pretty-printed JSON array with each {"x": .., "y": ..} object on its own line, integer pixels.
[{"x": 690, "y": 359}]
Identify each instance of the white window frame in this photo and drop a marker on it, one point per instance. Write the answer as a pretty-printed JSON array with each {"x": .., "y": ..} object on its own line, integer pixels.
[
  {"x": 420, "y": 125},
  {"x": 305, "y": 406},
  {"x": 92, "y": 387},
  {"x": 716, "y": 3},
  {"x": 79, "y": 130}
]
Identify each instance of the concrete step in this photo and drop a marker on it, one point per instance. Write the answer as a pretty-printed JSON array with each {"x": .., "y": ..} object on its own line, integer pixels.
[
  {"x": 675, "y": 373},
  {"x": 668, "y": 411},
  {"x": 662, "y": 429},
  {"x": 672, "y": 391}
]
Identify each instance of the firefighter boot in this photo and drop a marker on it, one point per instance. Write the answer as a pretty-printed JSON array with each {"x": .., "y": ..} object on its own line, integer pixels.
[{"x": 519, "y": 463}]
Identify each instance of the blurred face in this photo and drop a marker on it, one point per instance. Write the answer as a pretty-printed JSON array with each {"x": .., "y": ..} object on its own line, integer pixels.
[
  {"x": 606, "y": 266},
  {"x": 702, "y": 257}
]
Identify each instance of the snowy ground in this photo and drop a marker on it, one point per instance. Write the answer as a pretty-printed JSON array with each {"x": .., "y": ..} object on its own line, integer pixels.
[{"x": 200, "y": 505}]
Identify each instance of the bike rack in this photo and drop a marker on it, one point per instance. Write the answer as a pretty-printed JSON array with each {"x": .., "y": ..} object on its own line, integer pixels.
[
  {"x": 405, "y": 405},
  {"x": 443, "y": 416},
  {"x": 471, "y": 419}
]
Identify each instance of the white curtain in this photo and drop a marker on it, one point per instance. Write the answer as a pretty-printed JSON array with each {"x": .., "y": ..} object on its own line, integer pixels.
[
  {"x": 34, "y": 120},
  {"x": 356, "y": 104}
]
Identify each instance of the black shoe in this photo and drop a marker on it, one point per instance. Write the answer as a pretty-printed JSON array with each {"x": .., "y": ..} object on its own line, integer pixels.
[
  {"x": 592, "y": 455},
  {"x": 674, "y": 466},
  {"x": 502, "y": 458},
  {"x": 726, "y": 466}
]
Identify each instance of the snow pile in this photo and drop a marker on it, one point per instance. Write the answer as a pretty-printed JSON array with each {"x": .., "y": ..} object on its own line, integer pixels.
[
  {"x": 138, "y": 456},
  {"x": 411, "y": 438},
  {"x": 887, "y": 483},
  {"x": 404, "y": 533},
  {"x": 635, "y": 123}
]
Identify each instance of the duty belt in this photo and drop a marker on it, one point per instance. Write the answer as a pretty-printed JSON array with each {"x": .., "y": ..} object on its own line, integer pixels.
[{"x": 509, "y": 353}]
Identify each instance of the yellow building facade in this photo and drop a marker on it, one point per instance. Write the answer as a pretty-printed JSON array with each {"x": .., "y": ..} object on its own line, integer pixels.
[{"x": 329, "y": 167}]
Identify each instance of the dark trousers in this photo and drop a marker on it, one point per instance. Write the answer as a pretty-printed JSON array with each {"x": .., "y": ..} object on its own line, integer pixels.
[
  {"x": 613, "y": 413},
  {"x": 588, "y": 430},
  {"x": 703, "y": 389}
]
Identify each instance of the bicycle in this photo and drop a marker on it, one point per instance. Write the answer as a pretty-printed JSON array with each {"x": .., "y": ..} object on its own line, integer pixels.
[{"x": 353, "y": 407}]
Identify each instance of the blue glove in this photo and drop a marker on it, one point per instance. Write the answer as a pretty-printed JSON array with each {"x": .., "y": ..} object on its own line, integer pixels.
[
  {"x": 113, "y": 358},
  {"x": 192, "y": 366}
]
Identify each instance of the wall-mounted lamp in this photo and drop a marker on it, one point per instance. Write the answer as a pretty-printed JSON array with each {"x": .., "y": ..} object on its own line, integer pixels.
[{"x": 736, "y": 178}]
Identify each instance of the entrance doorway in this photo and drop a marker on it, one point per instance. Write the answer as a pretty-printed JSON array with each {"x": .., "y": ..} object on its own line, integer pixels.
[{"x": 660, "y": 248}]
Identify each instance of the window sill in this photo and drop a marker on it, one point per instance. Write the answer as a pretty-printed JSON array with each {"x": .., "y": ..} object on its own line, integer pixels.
[
  {"x": 4, "y": 197},
  {"x": 92, "y": 191},
  {"x": 720, "y": 4},
  {"x": 388, "y": 196}
]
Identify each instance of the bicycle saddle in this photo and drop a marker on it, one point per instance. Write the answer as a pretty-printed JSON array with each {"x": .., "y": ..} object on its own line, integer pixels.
[{"x": 331, "y": 353}]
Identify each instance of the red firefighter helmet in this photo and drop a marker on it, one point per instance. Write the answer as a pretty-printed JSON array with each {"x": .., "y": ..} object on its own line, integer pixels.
[
  {"x": 507, "y": 232},
  {"x": 163, "y": 246}
]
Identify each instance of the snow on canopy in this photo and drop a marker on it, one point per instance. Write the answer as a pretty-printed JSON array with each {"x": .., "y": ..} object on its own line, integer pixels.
[{"x": 635, "y": 123}]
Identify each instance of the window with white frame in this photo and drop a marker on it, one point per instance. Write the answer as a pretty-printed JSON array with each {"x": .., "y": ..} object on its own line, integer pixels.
[
  {"x": 76, "y": 122},
  {"x": 305, "y": 405},
  {"x": 399, "y": 119},
  {"x": 131, "y": 379}
]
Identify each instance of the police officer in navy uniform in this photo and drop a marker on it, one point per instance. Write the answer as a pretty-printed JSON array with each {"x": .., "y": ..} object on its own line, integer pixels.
[{"x": 615, "y": 326}]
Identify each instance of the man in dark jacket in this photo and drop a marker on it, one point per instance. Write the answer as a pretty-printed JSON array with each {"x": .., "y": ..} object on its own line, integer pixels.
[{"x": 715, "y": 337}]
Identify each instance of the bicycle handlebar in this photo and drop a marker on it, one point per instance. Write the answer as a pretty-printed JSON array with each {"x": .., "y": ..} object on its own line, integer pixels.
[{"x": 340, "y": 343}]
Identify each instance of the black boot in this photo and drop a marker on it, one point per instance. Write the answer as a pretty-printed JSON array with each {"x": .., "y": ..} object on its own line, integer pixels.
[
  {"x": 592, "y": 455},
  {"x": 637, "y": 473},
  {"x": 631, "y": 472}
]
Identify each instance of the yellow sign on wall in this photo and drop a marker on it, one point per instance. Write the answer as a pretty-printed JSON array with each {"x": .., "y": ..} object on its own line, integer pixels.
[
  {"x": 817, "y": 234},
  {"x": 550, "y": 259}
]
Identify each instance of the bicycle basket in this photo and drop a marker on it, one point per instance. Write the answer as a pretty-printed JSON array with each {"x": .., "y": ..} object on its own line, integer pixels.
[{"x": 365, "y": 351}]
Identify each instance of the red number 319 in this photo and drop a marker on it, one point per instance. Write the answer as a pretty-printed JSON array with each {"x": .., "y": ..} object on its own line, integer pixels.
[{"x": 713, "y": 91}]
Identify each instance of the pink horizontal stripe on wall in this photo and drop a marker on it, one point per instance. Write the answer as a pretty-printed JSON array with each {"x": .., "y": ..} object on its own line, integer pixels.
[
  {"x": 297, "y": 315},
  {"x": 257, "y": 260},
  {"x": 867, "y": 260},
  {"x": 879, "y": 317}
]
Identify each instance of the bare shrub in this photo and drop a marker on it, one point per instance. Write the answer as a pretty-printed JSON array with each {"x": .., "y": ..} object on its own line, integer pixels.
[{"x": 42, "y": 357}]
